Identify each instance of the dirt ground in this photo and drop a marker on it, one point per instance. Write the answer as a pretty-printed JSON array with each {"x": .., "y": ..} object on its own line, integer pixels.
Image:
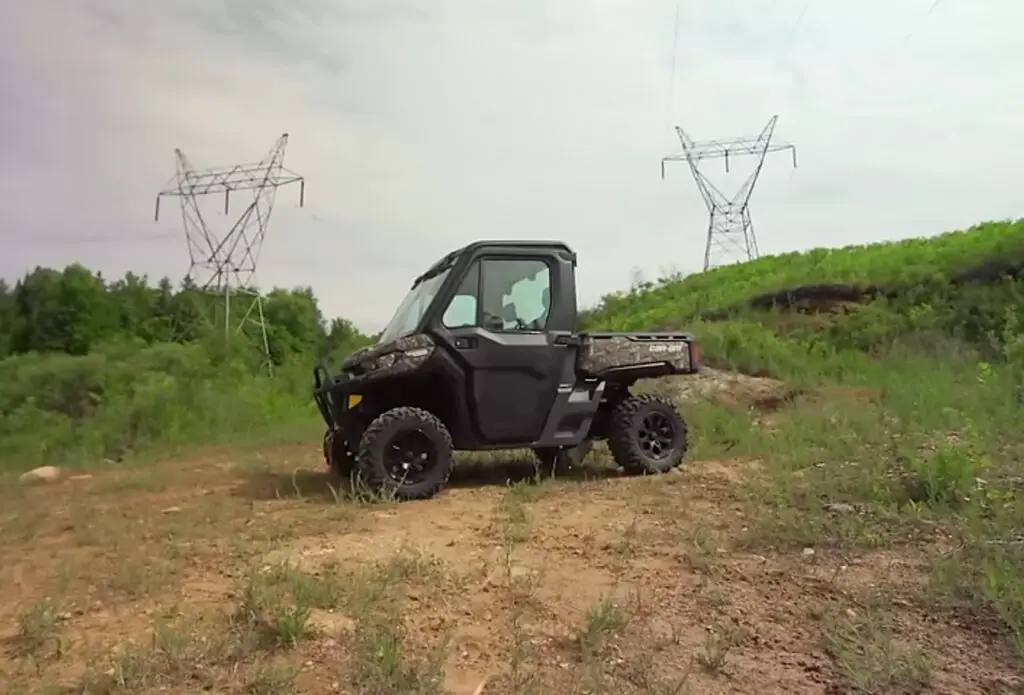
[{"x": 242, "y": 571}]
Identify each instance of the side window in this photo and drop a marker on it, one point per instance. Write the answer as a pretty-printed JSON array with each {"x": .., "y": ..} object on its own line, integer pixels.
[
  {"x": 502, "y": 294},
  {"x": 515, "y": 294},
  {"x": 461, "y": 310}
]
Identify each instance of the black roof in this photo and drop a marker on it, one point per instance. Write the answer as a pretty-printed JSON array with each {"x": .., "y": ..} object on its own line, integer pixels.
[
  {"x": 449, "y": 258},
  {"x": 548, "y": 244}
]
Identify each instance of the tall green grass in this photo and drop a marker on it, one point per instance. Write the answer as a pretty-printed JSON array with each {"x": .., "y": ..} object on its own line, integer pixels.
[{"x": 125, "y": 402}]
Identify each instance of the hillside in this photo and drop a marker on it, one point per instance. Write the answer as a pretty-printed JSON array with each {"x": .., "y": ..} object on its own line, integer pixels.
[
  {"x": 901, "y": 266},
  {"x": 850, "y": 518}
]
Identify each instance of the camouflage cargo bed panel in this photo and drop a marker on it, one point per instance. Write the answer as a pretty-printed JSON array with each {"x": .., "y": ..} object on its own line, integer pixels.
[{"x": 601, "y": 353}]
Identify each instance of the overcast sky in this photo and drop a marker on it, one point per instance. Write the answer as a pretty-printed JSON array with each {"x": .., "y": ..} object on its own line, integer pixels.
[{"x": 421, "y": 125}]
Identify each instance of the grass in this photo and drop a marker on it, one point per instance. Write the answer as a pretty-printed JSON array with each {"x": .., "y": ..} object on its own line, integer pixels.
[{"x": 852, "y": 523}]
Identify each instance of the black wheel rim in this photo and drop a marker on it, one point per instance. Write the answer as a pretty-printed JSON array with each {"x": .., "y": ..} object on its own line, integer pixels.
[
  {"x": 656, "y": 434},
  {"x": 410, "y": 457}
]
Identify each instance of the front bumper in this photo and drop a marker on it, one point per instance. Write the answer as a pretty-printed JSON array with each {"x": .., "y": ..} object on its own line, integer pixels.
[{"x": 333, "y": 396}]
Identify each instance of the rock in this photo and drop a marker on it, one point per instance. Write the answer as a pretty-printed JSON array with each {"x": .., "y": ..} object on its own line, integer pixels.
[
  {"x": 808, "y": 552},
  {"x": 330, "y": 623},
  {"x": 520, "y": 572},
  {"x": 45, "y": 474}
]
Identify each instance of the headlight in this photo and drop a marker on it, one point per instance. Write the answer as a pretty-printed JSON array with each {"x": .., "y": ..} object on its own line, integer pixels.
[{"x": 388, "y": 360}]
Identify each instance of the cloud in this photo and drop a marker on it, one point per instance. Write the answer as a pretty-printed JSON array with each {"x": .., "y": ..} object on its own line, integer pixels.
[{"x": 422, "y": 126}]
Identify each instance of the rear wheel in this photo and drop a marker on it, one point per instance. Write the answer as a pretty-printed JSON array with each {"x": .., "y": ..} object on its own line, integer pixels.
[
  {"x": 407, "y": 453},
  {"x": 647, "y": 435}
]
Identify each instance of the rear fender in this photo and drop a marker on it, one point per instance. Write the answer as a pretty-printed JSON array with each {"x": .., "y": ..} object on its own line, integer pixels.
[{"x": 637, "y": 356}]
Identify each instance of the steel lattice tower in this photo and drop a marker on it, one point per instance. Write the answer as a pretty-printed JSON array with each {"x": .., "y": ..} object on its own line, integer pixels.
[
  {"x": 730, "y": 229},
  {"x": 224, "y": 263}
]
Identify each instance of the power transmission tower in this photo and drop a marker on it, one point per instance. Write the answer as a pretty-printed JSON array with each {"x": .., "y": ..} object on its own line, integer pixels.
[
  {"x": 730, "y": 229},
  {"x": 224, "y": 264}
]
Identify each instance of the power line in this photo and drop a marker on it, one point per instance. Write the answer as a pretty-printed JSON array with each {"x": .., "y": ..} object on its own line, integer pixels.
[
  {"x": 931, "y": 9},
  {"x": 788, "y": 46},
  {"x": 74, "y": 240},
  {"x": 675, "y": 53}
]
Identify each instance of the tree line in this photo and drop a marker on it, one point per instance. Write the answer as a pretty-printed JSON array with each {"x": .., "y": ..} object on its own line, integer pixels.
[{"x": 76, "y": 310}]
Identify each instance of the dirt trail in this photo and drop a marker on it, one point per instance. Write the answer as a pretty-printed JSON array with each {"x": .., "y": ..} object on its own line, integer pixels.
[{"x": 502, "y": 571}]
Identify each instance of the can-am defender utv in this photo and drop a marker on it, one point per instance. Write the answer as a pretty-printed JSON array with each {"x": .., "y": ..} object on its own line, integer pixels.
[{"x": 483, "y": 353}]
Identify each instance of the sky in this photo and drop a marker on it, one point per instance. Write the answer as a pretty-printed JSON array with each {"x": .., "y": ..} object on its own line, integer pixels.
[{"x": 422, "y": 125}]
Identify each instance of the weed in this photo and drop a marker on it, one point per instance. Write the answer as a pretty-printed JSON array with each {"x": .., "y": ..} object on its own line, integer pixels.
[
  {"x": 40, "y": 634},
  {"x": 277, "y": 602},
  {"x": 383, "y": 664},
  {"x": 273, "y": 679},
  {"x": 719, "y": 640},
  {"x": 702, "y": 549},
  {"x": 180, "y": 653},
  {"x": 603, "y": 622},
  {"x": 514, "y": 514},
  {"x": 522, "y": 680},
  {"x": 869, "y": 658}
]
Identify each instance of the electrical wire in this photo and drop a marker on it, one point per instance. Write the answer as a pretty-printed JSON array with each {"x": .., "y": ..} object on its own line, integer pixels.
[
  {"x": 782, "y": 61},
  {"x": 795, "y": 30},
  {"x": 675, "y": 57},
  {"x": 71, "y": 240},
  {"x": 888, "y": 49},
  {"x": 935, "y": 4}
]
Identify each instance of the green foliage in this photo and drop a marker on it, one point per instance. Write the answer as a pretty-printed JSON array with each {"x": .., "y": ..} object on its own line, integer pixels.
[
  {"x": 93, "y": 371},
  {"x": 67, "y": 409},
  {"x": 75, "y": 311}
]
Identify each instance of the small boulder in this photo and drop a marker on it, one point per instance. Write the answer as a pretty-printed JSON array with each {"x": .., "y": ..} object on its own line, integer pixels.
[
  {"x": 841, "y": 508},
  {"x": 44, "y": 474}
]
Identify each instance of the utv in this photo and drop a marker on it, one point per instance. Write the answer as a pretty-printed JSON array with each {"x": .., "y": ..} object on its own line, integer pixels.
[{"x": 483, "y": 353}]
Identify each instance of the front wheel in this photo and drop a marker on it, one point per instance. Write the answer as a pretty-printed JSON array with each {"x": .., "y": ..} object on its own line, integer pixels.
[
  {"x": 647, "y": 435},
  {"x": 406, "y": 453}
]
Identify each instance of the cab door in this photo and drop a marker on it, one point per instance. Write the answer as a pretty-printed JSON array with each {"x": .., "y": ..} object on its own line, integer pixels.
[{"x": 496, "y": 329}]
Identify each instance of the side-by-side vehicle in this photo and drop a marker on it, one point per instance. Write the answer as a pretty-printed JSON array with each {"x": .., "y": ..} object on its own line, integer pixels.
[{"x": 484, "y": 353}]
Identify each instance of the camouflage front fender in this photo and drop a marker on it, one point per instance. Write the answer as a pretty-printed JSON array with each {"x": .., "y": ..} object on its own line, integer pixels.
[{"x": 390, "y": 359}]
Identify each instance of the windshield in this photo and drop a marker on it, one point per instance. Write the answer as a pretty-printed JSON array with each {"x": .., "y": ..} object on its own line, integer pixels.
[{"x": 412, "y": 308}]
